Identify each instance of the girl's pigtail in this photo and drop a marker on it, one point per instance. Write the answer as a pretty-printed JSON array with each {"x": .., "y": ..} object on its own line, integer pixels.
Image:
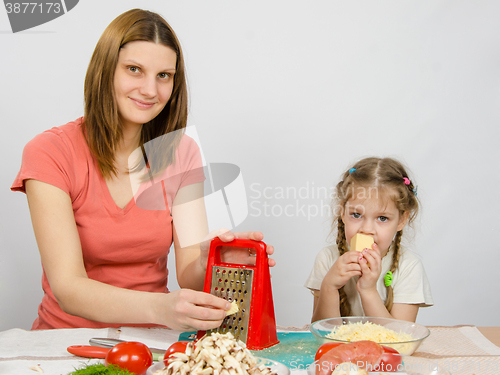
[
  {"x": 344, "y": 305},
  {"x": 394, "y": 266}
]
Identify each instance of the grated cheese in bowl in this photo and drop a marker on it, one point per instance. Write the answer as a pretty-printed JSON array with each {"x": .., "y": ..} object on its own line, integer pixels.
[
  {"x": 367, "y": 331},
  {"x": 401, "y": 335}
]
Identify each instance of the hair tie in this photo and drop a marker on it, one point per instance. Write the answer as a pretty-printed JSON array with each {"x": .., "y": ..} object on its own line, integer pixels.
[
  {"x": 352, "y": 170},
  {"x": 388, "y": 278},
  {"x": 415, "y": 190},
  {"x": 406, "y": 180}
]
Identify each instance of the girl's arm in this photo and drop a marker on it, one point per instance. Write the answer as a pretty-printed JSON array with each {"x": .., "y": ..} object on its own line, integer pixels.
[
  {"x": 326, "y": 303},
  {"x": 326, "y": 300},
  {"x": 374, "y": 306},
  {"x": 61, "y": 254},
  {"x": 370, "y": 298}
]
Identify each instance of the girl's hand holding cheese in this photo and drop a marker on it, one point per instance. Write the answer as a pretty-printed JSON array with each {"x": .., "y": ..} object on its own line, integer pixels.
[
  {"x": 346, "y": 267},
  {"x": 374, "y": 201},
  {"x": 370, "y": 263}
]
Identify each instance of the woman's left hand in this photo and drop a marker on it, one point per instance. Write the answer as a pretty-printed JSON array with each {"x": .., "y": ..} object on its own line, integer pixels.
[
  {"x": 371, "y": 266},
  {"x": 235, "y": 255}
]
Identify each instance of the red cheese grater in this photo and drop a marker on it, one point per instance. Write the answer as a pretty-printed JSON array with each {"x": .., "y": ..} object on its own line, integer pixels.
[{"x": 250, "y": 287}]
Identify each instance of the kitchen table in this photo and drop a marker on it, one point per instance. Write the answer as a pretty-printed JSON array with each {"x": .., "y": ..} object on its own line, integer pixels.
[
  {"x": 461, "y": 349},
  {"x": 491, "y": 333}
]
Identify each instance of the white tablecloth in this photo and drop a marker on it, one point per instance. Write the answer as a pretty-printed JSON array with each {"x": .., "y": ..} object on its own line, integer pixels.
[
  {"x": 464, "y": 349},
  {"x": 21, "y": 350}
]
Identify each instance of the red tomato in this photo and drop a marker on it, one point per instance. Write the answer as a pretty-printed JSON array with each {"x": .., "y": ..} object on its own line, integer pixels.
[
  {"x": 176, "y": 347},
  {"x": 131, "y": 355},
  {"x": 324, "y": 348},
  {"x": 391, "y": 360}
]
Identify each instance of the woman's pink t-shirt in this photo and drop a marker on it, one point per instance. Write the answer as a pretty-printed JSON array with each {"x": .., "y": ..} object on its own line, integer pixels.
[{"x": 127, "y": 247}]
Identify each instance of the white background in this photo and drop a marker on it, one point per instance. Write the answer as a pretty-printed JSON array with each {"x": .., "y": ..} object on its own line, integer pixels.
[{"x": 293, "y": 92}]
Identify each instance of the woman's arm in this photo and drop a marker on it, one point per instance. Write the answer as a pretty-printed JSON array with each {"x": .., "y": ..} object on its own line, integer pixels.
[
  {"x": 61, "y": 254},
  {"x": 189, "y": 229}
]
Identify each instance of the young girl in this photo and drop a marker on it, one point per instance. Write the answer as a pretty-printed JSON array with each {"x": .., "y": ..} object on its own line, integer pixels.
[
  {"x": 377, "y": 198},
  {"x": 104, "y": 256}
]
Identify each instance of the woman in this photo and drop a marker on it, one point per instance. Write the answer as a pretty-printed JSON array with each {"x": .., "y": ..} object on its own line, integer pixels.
[{"x": 104, "y": 256}]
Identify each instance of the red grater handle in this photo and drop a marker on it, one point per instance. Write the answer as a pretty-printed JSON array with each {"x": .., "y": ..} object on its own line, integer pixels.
[
  {"x": 214, "y": 257},
  {"x": 217, "y": 244}
]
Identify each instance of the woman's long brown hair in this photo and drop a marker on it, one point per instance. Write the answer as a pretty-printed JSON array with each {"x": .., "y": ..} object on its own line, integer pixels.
[{"x": 102, "y": 128}]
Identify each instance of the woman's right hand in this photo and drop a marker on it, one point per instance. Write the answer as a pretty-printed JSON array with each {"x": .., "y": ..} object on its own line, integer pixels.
[
  {"x": 189, "y": 310},
  {"x": 346, "y": 267}
]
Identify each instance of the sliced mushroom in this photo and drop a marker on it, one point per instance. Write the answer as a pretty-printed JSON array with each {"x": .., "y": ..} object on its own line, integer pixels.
[{"x": 217, "y": 354}]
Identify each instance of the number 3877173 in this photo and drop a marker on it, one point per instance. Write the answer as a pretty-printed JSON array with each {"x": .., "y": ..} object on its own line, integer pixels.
[{"x": 41, "y": 7}]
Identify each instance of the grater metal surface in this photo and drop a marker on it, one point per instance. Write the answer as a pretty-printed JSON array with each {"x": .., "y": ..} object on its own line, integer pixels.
[{"x": 234, "y": 284}]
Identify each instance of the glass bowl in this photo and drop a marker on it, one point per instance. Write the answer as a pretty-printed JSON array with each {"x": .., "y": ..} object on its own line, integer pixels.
[
  {"x": 322, "y": 328},
  {"x": 277, "y": 367}
]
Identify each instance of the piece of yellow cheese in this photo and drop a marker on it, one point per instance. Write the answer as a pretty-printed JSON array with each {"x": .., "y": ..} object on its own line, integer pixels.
[
  {"x": 361, "y": 241},
  {"x": 233, "y": 310}
]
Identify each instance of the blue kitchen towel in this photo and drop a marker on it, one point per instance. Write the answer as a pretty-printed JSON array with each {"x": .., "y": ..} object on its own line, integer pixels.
[{"x": 295, "y": 349}]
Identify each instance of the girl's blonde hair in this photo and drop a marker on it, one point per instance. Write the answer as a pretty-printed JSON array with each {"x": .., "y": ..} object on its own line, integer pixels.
[
  {"x": 384, "y": 175},
  {"x": 101, "y": 126}
]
